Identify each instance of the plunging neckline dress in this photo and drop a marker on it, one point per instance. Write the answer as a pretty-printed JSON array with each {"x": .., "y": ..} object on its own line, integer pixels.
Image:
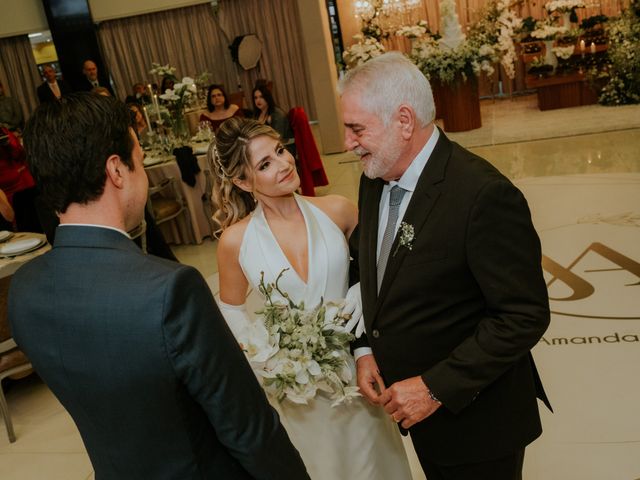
[{"x": 352, "y": 441}]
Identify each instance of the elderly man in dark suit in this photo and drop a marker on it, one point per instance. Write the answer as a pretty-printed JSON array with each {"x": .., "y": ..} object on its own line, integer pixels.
[
  {"x": 132, "y": 345},
  {"x": 52, "y": 88},
  {"x": 452, "y": 286},
  {"x": 91, "y": 79}
]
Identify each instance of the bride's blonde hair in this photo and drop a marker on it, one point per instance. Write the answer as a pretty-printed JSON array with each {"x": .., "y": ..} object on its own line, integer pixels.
[{"x": 229, "y": 156}]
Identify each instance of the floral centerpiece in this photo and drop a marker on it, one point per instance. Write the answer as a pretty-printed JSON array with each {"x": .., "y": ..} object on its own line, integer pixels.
[
  {"x": 178, "y": 98},
  {"x": 547, "y": 31},
  {"x": 163, "y": 70},
  {"x": 296, "y": 352},
  {"x": 364, "y": 49}
]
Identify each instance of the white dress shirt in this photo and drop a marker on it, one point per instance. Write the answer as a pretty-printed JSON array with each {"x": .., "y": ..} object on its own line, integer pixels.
[
  {"x": 408, "y": 182},
  {"x": 96, "y": 226}
]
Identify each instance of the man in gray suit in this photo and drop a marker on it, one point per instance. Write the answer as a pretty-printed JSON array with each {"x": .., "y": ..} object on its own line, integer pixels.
[{"x": 132, "y": 345}]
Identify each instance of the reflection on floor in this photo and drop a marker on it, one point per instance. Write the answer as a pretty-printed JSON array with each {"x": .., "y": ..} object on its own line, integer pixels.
[{"x": 580, "y": 171}]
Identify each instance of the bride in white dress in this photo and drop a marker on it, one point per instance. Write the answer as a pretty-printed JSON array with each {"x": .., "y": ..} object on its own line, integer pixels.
[{"x": 267, "y": 228}]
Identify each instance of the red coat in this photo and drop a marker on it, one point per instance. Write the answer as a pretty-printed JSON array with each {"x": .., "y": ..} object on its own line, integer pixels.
[
  {"x": 310, "y": 166},
  {"x": 14, "y": 173}
]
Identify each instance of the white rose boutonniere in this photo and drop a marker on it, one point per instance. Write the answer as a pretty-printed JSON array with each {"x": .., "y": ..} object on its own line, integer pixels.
[{"x": 407, "y": 234}]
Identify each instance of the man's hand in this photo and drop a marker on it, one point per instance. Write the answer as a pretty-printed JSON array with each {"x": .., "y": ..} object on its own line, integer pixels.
[
  {"x": 369, "y": 379},
  {"x": 408, "y": 402}
]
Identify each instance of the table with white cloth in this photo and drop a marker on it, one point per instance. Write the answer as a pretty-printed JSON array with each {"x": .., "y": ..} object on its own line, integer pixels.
[
  {"x": 178, "y": 230},
  {"x": 9, "y": 264}
]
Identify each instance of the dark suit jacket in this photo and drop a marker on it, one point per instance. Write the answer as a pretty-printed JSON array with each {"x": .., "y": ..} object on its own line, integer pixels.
[
  {"x": 138, "y": 353},
  {"x": 85, "y": 85},
  {"x": 462, "y": 307},
  {"x": 46, "y": 95}
]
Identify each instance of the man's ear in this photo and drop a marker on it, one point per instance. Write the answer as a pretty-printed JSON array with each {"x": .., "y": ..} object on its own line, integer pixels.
[
  {"x": 407, "y": 119},
  {"x": 243, "y": 184},
  {"x": 115, "y": 170}
]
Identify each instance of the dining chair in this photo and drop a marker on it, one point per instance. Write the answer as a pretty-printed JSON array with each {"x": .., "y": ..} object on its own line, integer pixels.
[
  {"x": 165, "y": 201},
  {"x": 140, "y": 231},
  {"x": 12, "y": 360}
]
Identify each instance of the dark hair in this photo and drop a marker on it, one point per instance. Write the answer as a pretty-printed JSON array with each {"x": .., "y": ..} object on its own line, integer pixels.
[
  {"x": 266, "y": 94},
  {"x": 213, "y": 87},
  {"x": 68, "y": 143},
  {"x": 164, "y": 85}
]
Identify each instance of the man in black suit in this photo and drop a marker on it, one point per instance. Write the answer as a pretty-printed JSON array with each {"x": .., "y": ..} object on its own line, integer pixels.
[
  {"x": 51, "y": 88},
  {"x": 451, "y": 279},
  {"x": 91, "y": 78},
  {"x": 132, "y": 345}
]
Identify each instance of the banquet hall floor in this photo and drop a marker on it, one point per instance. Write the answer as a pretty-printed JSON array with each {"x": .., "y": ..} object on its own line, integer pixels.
[{"x": 580, "y": 171}]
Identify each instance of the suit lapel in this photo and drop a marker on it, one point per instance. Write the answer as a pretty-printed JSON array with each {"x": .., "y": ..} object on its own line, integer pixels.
[
  {"x": 369, "y": 231},
  {"x": 422, "y": 202}
]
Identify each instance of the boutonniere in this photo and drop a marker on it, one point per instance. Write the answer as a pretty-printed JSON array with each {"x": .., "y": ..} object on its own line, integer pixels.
[{"x": 407, "y": 234}]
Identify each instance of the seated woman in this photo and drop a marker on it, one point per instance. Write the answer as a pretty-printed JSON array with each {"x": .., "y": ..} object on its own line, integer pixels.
[
  {"x": 266, "y": 111},
  {"x": 139, "y": 122},
  {"x": 218, "y": 108}
]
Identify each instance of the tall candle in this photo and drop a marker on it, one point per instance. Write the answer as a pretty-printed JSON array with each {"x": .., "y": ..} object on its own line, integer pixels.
[
  {"x": 146, "y": 117},
  {"x": 582, "y": 46},
  {"x": 157, "y": 105},
  {"x": 593, "y": 47}
]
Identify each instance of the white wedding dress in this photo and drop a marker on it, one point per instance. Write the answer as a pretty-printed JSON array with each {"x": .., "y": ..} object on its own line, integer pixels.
[{"x": 353, "y": 441}]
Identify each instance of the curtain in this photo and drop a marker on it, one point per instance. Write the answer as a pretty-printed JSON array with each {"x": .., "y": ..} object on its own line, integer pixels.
[
  {"x": 19, "y": 73},
  {"x": 195, "y": 40},
  {"x": 185, "y": 38},
  {"x": 276, "y": 23}
]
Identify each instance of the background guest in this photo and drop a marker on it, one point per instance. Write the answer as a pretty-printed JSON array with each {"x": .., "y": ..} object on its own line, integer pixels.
[
  {"x": 166, "y": 84},
  {"x": 101, "y": 91},
  {"x": 139, "y": 96},
  {"x": 17, "y": 183},
  {"x": 218, "y": 107},
  {"x": 51, "y": 88},
  {"x": 10, "y": 111},
  {"x": 266, "y": 111},
  {"x": 91, "y": 79}
]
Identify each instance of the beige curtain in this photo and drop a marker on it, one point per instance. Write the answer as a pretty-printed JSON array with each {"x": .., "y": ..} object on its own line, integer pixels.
[
  {"x": 186, "y": 38},
  {"x": 195, "y": 40},
  {"x": 19, "y": 73},
  {"x": 276, "y": 23}
]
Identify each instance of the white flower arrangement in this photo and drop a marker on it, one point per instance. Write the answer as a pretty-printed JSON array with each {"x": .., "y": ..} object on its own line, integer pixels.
[
  {"x": 546, "y": 31},
  {"x": 162, "y": 70},
  {"x": 363, "y": 50},
  {"x": 563, "y": 52},
  {"x": 296, "y": 352},
  {"x": 412, "y": 31},
  {"x": 563, "y": 5},
  {"x": 180, "y": 91}
]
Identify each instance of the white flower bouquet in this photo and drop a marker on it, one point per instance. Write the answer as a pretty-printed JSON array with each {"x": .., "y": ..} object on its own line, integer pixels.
[
  {"x": 563, "y": 5},
  {"x": 296, "y": 352},
  {"x": 545, "y": 31},
  {"x": 365, "y": 49},
  {"x": 162, "y": 70},
  {"x": 563, "y": 52}
]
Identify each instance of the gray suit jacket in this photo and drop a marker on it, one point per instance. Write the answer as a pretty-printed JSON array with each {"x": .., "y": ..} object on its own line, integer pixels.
[{"x": 138, "y": 353}]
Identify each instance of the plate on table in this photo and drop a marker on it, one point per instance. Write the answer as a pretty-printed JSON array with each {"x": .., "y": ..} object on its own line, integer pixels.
[
  {"x": 21, "y": 246},
  {"x": 5, "y": 235}
]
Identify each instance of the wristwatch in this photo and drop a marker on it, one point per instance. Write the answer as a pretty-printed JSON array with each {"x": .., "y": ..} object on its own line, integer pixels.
[{"x": 432, "y": 396}]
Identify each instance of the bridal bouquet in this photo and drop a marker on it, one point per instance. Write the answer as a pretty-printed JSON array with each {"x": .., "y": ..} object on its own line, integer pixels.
[{"x": 296, "y": 352}]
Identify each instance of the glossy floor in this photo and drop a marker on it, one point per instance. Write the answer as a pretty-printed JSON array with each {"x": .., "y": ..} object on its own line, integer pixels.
[{"x": 580, "y": 171}]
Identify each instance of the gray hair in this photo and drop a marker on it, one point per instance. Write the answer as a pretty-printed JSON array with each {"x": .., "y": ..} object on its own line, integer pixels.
[{"x": 388, "y": 81}]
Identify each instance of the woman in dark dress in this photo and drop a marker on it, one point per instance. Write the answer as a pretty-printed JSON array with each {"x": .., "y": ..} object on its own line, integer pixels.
[{"x": 219, "y": 108}]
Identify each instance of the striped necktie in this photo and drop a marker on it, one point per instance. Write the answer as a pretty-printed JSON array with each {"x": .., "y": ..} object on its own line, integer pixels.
[{"x": 395, "y": 199}]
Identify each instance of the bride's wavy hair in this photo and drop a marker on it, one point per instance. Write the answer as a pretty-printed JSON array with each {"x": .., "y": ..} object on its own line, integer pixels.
[{"x": 229, "y": 155}]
